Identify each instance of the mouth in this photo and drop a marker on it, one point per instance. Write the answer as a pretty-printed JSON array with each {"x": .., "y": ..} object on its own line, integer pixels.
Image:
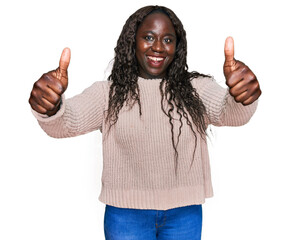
[{"x": 155, "y": 61}]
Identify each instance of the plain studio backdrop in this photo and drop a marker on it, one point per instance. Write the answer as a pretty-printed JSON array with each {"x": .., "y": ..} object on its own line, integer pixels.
[{"x": 49, "y": 187}]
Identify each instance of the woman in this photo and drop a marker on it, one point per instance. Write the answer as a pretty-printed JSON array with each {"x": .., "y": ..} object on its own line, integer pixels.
[{"x": 154, "y": 178}]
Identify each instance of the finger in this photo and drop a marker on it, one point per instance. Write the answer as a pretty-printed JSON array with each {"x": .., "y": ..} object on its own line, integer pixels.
[
  {"x": 238, "y": 89},
  {"x": 252, "y": 98},
  {"x": 64, "y": 60},
  {"x": 44, "y": 103},
  {"x": 36, "y": 107},
  {"x": 52, "y": 83},
  {"x": 236, "y": 76},
  {"x": 243, "y": 96},
  {"x": 51, "y": 96},
  {"x": 247, "y": 81}
]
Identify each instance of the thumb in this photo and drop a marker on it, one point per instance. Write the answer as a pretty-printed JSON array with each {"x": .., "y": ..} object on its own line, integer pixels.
[
  {"x": 64, "y": 60},
  {"x": 229, "y": 50},
  {"x": 61, "y": 72}
]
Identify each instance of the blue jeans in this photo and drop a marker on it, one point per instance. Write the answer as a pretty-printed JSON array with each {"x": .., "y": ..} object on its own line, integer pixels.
[{"x": 182, "y": 223}]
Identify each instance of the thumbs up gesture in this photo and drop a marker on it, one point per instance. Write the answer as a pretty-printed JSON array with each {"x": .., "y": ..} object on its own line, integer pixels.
[
  {"x": 242, "y": 82},
  {"x": 46, "y": 92}
]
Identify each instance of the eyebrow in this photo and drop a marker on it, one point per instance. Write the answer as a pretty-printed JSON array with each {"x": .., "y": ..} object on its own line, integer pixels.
[{"x": 166, "y": 34}]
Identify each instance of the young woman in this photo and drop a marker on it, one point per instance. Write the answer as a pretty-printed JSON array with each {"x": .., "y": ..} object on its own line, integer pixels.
[{"x": 153, "y": 114}]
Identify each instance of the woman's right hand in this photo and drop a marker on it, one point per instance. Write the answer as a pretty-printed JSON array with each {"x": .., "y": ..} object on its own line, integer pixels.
[{"x": 46, "y": 92}]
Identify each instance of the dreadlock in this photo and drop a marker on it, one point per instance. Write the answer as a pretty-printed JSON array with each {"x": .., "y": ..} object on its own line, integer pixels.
[{"x": 124, "y": 77}]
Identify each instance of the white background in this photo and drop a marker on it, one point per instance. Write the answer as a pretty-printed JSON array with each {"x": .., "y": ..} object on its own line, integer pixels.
[{"x": 49, "y": 187}]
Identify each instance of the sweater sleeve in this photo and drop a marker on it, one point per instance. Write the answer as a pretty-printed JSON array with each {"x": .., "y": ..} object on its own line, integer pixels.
[
  {"x": 78, "y": 115},
  {"x": 221, "y": 107}
]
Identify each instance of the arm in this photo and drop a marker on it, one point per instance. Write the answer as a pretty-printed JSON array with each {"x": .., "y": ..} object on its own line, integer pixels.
[
  {"x": 221, "y": 107},
  {"x": 233, "y": 106},
  {"x": 66, "y": 118},
  {"x": 78, "y": 115}
]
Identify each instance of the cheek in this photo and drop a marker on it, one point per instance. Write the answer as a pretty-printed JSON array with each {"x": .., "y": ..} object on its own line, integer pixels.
[
  {"x": 140, "y": 50},
  {"x": 171, "y": 50},
  {"x": 141, "y": 47}
]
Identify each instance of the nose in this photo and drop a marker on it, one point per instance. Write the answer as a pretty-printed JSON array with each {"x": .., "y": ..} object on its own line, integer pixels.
[{"x": 157, "y": 46}]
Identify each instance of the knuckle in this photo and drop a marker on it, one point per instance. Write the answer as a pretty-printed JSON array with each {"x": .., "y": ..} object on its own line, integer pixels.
[
  {"x": 57, "y": 86},
  {"x": 232, "y": 91},
  {"x": 252, "y": 77},
  {"x": 30, "y": 101},
  {"x": 229, "y": 82},
  {"x": 60, "y": 87},
  {"x": 50, "y": 107},
  {"x": 55, "y": 100},
  {"x": 40, "y": 109},
  {"x": 38, "y": 84},
  {"x": 49, "y": 78},
  {"x": 256, "y": 85},
  {"x": 236, "y": 99},
  {"x": 240, "y": 62},
  {"x": 34, "y": 93},
  {"x": 45, "y": 77},
  {"x": 39, "y": 101},
  {"x": 244, "y": 103},
  {"x": 244, "y": 69},
  {"x": 240, "y": 65},
  {"x": 247, "y": 101}
]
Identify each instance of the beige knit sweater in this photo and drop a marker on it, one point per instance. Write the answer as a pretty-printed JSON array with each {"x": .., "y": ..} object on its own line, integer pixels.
[{"x": 138, "y": 156}]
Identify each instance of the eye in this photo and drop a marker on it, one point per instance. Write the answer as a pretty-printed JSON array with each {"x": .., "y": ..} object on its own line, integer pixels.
[
  {"x": 167, "y": 40},
  {"x": 148, "y": 38}
]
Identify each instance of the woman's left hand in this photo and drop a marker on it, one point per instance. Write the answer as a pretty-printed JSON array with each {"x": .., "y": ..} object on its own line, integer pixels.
[{"x": 242, "y": 82}]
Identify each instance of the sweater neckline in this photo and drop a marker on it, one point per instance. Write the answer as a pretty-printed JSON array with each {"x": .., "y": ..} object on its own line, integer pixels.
[{"x": 149, "y": 79}]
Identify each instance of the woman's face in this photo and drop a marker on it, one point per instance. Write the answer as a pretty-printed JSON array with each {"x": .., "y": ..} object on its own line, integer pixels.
[{"x": 155, "y": 45}]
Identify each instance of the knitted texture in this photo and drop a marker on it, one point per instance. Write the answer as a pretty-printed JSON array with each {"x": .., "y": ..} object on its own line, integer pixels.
[{"x": 138, "y": 156}]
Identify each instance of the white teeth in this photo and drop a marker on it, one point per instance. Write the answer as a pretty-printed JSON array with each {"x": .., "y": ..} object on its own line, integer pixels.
[{"x": 155, "y": 58}]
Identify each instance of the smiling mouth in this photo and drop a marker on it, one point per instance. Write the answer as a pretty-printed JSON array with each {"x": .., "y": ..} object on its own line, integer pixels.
[
  {"x": 155, "y": 62},
  {"x": 156, "y": 59}
]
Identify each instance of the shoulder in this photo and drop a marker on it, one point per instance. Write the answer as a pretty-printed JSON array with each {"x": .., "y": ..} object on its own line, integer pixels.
[
  {"x": 101, "y": 85},
  {"x": 96, "y": 89},
  {"x": 201, "y": 81}
]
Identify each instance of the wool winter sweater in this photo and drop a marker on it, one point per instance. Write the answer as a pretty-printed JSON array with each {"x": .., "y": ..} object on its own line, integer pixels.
[{"x": 138, "y": 155}]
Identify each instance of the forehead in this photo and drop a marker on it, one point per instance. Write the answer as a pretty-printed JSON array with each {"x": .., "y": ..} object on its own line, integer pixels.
[{"x": 157, "y": 22}]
